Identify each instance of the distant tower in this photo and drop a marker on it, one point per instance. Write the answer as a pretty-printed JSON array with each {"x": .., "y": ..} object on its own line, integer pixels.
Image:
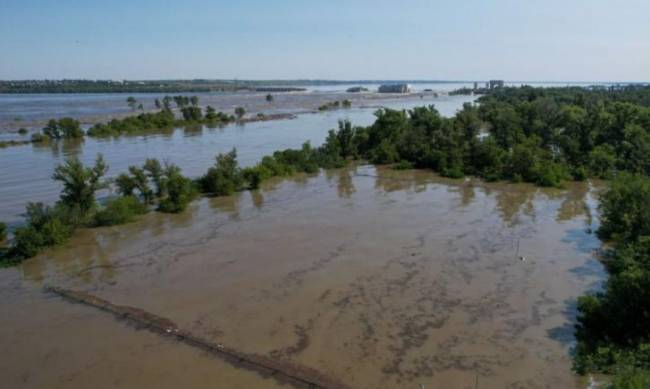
[{"x": 475, "y": 85}]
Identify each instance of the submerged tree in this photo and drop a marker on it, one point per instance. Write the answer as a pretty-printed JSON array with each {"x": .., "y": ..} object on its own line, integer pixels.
[
  {"x": 240, "y": 112},
  {"x": 80, "y": 183},
  {"x": 132, "y": 102}
]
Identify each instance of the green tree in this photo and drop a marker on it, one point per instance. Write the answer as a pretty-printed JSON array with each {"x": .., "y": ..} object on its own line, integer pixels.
[
  {"x": 225, "y": 177},
  {"x": 269, "y": 98},
  {"x": 80, "y": 183},
  {"x": 240, "y": 112},
  {"x": 132, "y": 102},
  {"x": 3, "y": 232},
  {"x": 179, "y": 190}
]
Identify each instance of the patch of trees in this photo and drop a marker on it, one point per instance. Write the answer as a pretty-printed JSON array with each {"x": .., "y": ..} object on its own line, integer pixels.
[
  {"x": 335, "y": 105},
  {"x": 613, "y": 329},
  {"x": 164, "y": 119},
  {"x": 153, "y": 185}
]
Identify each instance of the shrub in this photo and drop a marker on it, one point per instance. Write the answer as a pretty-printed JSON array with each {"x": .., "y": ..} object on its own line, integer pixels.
[
  {"x": 3, "y": 232},
  {"x": 180, "y": 191},
  {"x": 631, "y": 378},
  {"x": 22, "y": 131},
  {"x": 120, "y": 210},
  {"x": 224, "y": 178},
  {"x": 253, "y": 176},
  {"x": 46, "y": 226},
  {"x": 192, "y": 113},
  {"x": 63, "y": 128}
]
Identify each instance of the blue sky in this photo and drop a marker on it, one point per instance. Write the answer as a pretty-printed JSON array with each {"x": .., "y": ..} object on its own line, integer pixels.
[{"x": 553, "y": 40}]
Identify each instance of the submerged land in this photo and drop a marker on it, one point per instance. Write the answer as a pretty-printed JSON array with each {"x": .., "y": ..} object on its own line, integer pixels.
[{"x": 504, "y": 246}]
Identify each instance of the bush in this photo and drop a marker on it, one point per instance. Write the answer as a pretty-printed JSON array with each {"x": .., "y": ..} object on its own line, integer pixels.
[
  {"x": 64, "y": 128},
  {"x": 253, "y": 176},
  {"x": 192, "y": 114},
  {"x": 403, "y": 165},
  {"x": 224, "y": 178},
  {"x": 120, "y": 210},
  {"x": 46, "y": 226},
  {"x": 180, "y": 191},
  {"x": 3, "y": 232},
  {"x": 631, "y": 378}
]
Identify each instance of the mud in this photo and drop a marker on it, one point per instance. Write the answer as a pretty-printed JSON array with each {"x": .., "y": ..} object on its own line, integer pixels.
[{"x": 380, "y": 278}]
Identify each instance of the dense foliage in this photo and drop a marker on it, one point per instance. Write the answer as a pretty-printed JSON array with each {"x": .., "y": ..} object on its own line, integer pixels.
[
  {"x": 613, "y": 328},
  {"x": 67, "y": 128}
]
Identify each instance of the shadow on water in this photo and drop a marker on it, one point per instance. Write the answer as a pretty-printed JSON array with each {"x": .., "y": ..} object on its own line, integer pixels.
[{"x": 565, "y": 333}]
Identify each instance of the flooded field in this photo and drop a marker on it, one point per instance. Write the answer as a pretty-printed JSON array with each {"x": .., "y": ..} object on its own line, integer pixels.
[
  {"x": 25, "y": 171},
  {"x": 380, "y": 278}
]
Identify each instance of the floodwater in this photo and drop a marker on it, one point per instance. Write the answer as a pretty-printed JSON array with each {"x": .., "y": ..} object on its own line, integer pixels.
[
  {"x": 32, "y": 111},
  {"x": 380, "y": 278},
  {"x": 25, "y": 171}
]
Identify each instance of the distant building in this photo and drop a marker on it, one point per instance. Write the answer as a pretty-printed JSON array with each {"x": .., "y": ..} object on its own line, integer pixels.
[
  {"x": 395, "y": 88},
  {"x": 475, "y": 85},
  {"x": 496, "y": 84}
]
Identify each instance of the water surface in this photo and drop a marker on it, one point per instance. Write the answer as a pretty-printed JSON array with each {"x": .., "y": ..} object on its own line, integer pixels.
[
  {"x": 381, "y": 278},
  {"x": 25, "y": 171}
]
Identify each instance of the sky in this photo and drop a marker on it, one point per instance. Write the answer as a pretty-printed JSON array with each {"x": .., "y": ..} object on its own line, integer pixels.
[{"x": 515, "y": 40}]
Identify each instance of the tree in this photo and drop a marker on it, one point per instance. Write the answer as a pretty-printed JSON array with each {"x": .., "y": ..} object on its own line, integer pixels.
[
  {"x": 269, "y": 98},
  {"x": 157, "y": 104},
  {"x": 66, "y": 127},
  {"x": 154, "y": 171},
  {"x": 225, "y": 177},
  {"x": 180, "y": 190},
  {"x": 192, "y": 113},
  {"x": 194, "y": 100},
  {"x": 80, "y": 183},
  {"x": 167, "y": 102},
  {"x": 240, "y": 112},
  {"x": 140, "y": 107},
  {"x": 3, "y": 232},
  {"x": 132, "y": 102}
]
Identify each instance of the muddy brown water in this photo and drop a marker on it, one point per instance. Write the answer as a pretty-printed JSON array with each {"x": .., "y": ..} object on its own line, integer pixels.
[{"x": 380, "y": 278}]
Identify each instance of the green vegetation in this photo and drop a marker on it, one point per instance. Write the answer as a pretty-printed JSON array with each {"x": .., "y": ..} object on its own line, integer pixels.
[
  {"x": 269, "y": 98},
  {"x": 80, "y": 183},
  {"x": 9, "y": 143},
  {"x": 3, "y": 232},
  {"x": 613, "y": 325},
  {"x": 22, "y": 131},
  {"x": 162, "y": 120},
  {"x": 120, "y": 210},
  {"x": 178, "y": 190},
  {"x": 67, "y": 128},
  {"x": 131, "y": 101},
  {"x": 335, "y": 105},
  {"x": 240, "y": 112},
  {"x": 224, "y": 178}
]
